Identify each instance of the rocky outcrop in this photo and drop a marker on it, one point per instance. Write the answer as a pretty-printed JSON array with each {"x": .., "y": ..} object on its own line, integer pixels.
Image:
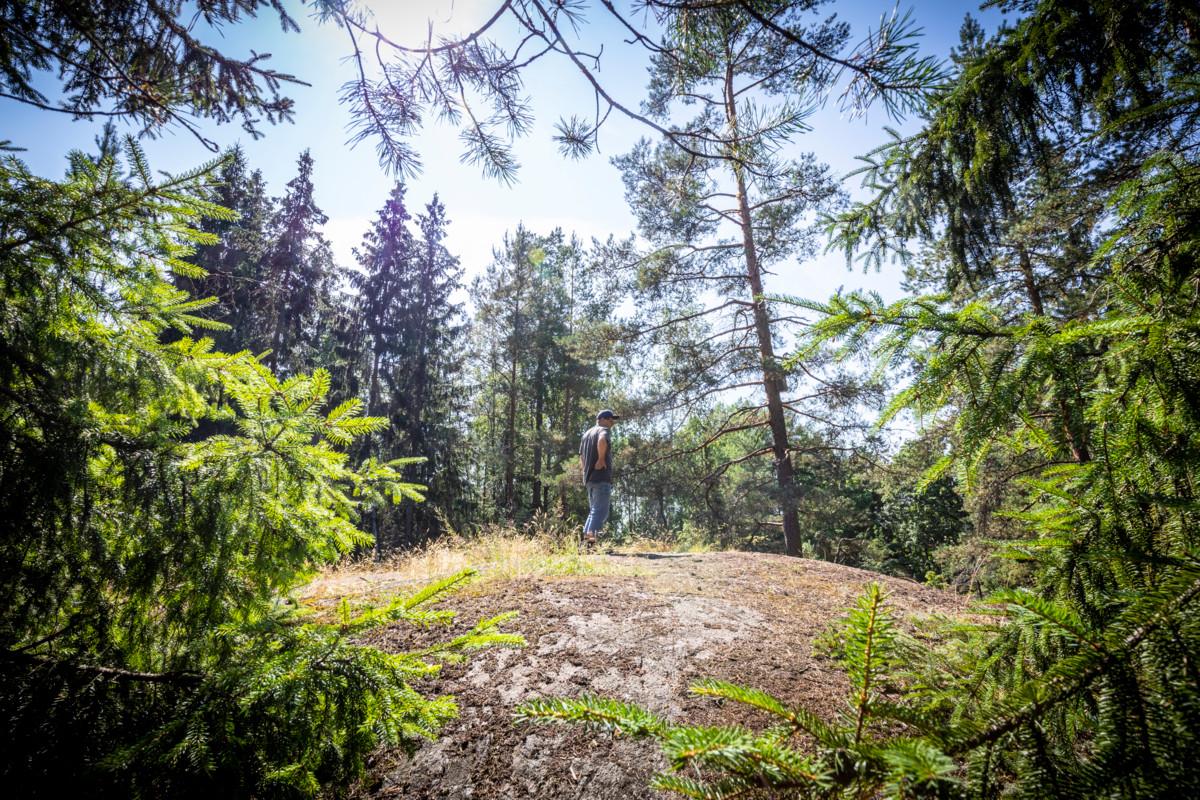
[{"x": 643, "y": 634}]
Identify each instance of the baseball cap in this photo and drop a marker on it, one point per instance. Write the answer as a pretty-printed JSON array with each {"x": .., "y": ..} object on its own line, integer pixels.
[{"x": 607, "y": 414}]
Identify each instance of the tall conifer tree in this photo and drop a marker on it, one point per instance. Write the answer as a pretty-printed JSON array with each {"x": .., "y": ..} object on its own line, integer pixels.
[
  {"x": 148, "y": 647},
  {"x": 538, "y": 308},
  {"x": 722, "y": 208},
  {"x": 296, "y": 275},
  {"x": 412, "y": 330},
  {"x": 234, "y": 264}
]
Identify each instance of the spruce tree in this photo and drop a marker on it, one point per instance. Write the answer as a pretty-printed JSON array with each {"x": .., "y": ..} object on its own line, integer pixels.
[
  {"x": 295, "y": 277},
  {"x": 563, "y": 364},
  {"x": 412, "y": 358},
  {"x": 234, "y": 264},
  {"x": 1066, "y": 193},
  {"x": 149, "y": 643},
  {"x": 438, "y": 381}
]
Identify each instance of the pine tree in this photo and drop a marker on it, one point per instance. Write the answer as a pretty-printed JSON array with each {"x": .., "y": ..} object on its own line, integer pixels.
[
  {"x": 138, "y": 60},
  {"x": 503, "y": 298},
  {"x": 699, "y": 488},
  {"x": 569, "y": 301},
  {"x": 538, "y": 309},
  {"x": 1087, "y": 689},
  {"x": 721, "y": 208},
  {"x": 474, "y": 80}
]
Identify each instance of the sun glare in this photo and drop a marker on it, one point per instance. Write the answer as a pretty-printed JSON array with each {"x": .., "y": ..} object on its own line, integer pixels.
[{"x": 408, "y": 21}]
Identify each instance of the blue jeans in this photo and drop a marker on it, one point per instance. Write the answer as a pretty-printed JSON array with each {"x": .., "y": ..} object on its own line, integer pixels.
[{"x": 598, "y": 498}]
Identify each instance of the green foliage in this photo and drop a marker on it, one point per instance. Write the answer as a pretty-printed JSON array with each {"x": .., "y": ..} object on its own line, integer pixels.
[
  {"x": 135, "y": 59},
  {"x": 703, "y": 484},
  {"x": 695, "y": 486},
  {"x": 388, "y": 333},
  {"x": 1053, "y": 192},
  {"x": 874, "y": 748},
  {"x": 231, "y": 263},
  {"x": 474, "y": 81},
  {"x": 405, "y": 356},
  {"x": 162, "y": 500},
  {"x": 915, "y": 524},
  {"x": 600, "y": 712},
  {"x": 294, "y": 708},
  {"x": 293, "y": 280},
  {"x": 990, "y": 371},
  {"x": 538, "y": 352},
  {"x": 700, "y": 286}
]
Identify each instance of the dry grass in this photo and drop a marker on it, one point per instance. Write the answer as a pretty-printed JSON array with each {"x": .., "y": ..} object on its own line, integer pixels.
[{"x": 495, "y": 552}]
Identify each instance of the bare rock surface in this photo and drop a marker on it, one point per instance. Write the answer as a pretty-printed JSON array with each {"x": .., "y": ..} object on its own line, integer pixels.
[{"x": 643, "y": 634}]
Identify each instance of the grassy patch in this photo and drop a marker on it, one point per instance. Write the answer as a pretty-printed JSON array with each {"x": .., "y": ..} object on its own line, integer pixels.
[{"x": 540, "y": 549}]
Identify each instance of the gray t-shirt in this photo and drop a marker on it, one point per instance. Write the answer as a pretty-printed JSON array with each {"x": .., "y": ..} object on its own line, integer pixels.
[{"x": 589, "y": 448}]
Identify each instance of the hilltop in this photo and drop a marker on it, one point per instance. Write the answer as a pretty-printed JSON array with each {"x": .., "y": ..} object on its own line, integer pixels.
[{"x": 634, "y": 626}]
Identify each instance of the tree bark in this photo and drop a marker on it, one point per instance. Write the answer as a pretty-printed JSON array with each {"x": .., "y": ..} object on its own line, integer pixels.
[
  {"x": 510, "y": 436},
  {"x": 538, "y": 412},
  {"x": 514, "y": 351},
  {"x": 773, "y": 379}
]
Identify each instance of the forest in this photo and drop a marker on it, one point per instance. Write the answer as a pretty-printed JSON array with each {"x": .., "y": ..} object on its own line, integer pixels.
[{"x": 203, "y": 405}]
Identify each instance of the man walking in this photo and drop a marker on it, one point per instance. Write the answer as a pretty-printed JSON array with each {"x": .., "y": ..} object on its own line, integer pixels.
[{"x": 595, "y": 457}]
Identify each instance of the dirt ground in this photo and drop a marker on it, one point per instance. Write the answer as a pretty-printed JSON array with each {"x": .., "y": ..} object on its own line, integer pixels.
[{"x": 642, "y": 635}]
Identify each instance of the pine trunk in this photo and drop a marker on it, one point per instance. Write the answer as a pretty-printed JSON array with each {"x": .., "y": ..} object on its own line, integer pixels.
[
  {"x": 539, "y": 403},
  {"x": 564, "y": 451},
  {"x": 510, "y": 438},
  {"x": 773, "y": 380},
  {"x": 510, "y": 426}
]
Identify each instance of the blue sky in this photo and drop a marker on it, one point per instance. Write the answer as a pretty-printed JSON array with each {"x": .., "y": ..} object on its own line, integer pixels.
[{"x": 581, "y": 196}]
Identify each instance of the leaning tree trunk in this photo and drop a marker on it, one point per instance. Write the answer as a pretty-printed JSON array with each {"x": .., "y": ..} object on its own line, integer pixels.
[{"x": 773, "y": 380}]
